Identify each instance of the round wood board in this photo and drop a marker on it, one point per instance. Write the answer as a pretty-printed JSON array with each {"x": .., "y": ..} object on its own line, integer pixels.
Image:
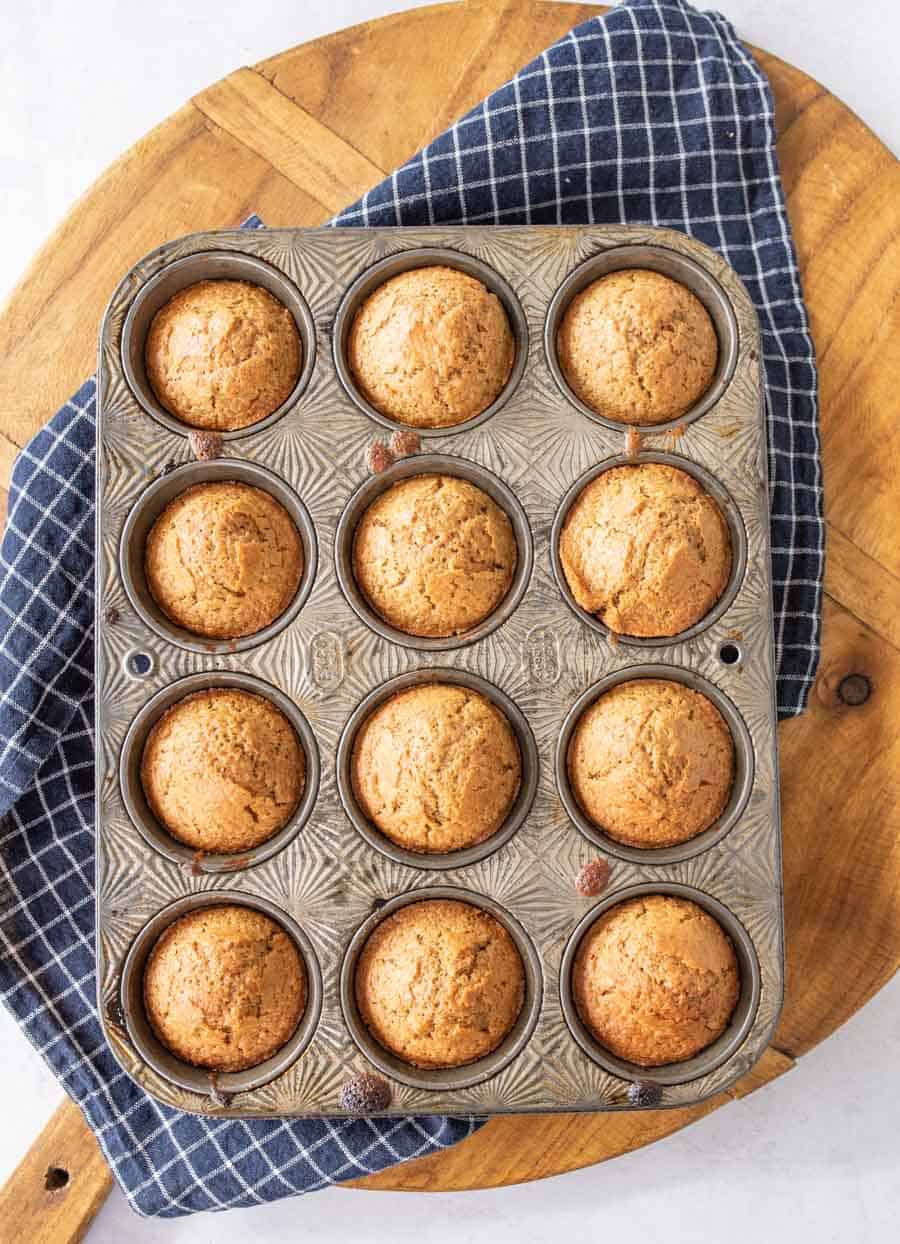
[{"x": 301, "y": 135}]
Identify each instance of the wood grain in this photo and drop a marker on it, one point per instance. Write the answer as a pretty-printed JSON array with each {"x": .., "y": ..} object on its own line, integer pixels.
[
  {"x": 57, "y": 1189},
  {"x": 299, "y": 135}
]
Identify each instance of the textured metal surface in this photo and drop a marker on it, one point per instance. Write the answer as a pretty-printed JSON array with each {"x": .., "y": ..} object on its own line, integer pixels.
[{"x": 329, "y": 878}]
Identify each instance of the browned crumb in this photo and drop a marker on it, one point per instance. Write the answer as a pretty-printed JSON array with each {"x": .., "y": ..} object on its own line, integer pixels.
[{"x": 378, "y": 457}]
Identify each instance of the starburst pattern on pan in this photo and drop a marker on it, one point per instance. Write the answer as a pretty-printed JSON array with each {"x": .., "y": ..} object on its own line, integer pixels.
[{"x": 326, "y": 660}]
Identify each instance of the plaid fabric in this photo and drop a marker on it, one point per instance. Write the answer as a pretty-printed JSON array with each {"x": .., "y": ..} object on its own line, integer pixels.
[{"x": 652, "y": 114}]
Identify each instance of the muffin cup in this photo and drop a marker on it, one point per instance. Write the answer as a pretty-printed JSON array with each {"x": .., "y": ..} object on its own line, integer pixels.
[
  {"x": 154, "y": 832},
  {"x": 669, "y": 263},
  {"x": 438, "y": 862},
  {"x": 741, "y": 786},
  {"x": 443, "y": 1078},
  {"x": 404, "y": 261},
  {"x": 147, "y": 510},
  {"x": 210, "y": 266},
  {"x": 408, "y": 468},
  {"x": 723, "y": 1048},
  {"x": 169, "y": 1065},
  {"x": 736, "y": 534}
]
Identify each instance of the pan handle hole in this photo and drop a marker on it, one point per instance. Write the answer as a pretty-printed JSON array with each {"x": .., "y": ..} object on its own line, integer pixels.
[
  {"x": 730, "y": 653},
  {"x": 138, "y": 664}
]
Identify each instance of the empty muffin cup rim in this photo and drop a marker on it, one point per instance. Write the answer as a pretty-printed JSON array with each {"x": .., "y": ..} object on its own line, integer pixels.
[
  {"x": 515, "y": 817},
  {"x": 230, "y": 266},
  {"x": 377, "y": 274},
  {"x": 164, "y": 1062},
  {"x": 151, "y": 503},
  {"x": 680, "y": 268},
  {"x": 725, "y": 1047},
  {"x": 367, "y": 492},
  {"x": 444, "y": 1079},
  {"x": 154, "y": 832},
  {"x": 742, "y": 779},
  {"x": 717, "y": 492}
]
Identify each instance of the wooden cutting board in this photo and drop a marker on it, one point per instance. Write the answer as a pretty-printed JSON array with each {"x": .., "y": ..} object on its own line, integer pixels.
[{"x": 299, "y": 136}]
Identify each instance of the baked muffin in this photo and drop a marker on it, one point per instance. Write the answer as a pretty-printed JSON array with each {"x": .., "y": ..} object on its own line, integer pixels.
[
  {"x": 222, "y": 354},
  {"x": 645, "y": 549},
  {"x": 439, "y": 983},
  {"x": 434, "y": 555},
  {"x": 431, "y": 347},
  {"x": 223, "y": 560},
  {"x": 436, "y": 768},
  {"x": 656, "y": 980},
  {"x": 223, "y": 770},
  {"x": 651, "y": 763},
  {"x": 638, "y": 347},
  {"x": 224, "y": 987}
]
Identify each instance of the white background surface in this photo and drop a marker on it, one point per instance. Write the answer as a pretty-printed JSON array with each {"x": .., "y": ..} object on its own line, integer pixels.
[{"x": 813, "y": 1157}]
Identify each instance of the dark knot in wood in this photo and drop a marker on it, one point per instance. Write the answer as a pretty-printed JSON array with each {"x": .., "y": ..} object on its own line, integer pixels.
[{"x": 854, "y": 689}]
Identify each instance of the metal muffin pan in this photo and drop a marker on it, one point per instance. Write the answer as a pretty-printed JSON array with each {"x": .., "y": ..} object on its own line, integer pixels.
[{"x": 329, "y": 876}]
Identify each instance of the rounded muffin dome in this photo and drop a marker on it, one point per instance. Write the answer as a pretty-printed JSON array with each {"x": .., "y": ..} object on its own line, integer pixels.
[
  {"x": 431, "y": 347},
  {"x": 436, "y": 767},
  {"x": 434, "y": 555},
  {"x": 656, "y": 980},
  {"x": 646, "y": 549},
  {"x": 638, "y": 347},
  {"x": 440, "y": 983},
  {"x": 651, "y": 763},
  {"x": 223, "y": 560},
  {"x": 222, "y": 354},
  {"x": 223, "y": 770},
  {"x": 224, "y": 987}
]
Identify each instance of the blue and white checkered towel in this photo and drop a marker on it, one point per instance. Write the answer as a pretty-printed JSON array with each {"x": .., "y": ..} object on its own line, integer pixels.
[{"x": 653, "y": 114}]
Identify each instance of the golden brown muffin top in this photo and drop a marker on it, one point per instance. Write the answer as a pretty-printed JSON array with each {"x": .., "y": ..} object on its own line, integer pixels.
[
  {"x": 431, "y": 347},
  {"x": 440, "y": 983},
  {"x": 223, "y": 559},
  {"x": 651, "y": 762},
  {"x": 222, "y": 354},
  {"x": 223, "y": 770},
  {"x": 224, "y": 987},
  {"x": 638, "y": 347},
  {"x": 436, "y": 767},
  {"x": 434, "y": 555},
  {"x": 646, "y": 549},
  {"x": 656, "y": 980}
]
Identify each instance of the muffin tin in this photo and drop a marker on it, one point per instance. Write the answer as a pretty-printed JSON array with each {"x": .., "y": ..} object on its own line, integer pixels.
[{"x": 329, "y": 876}]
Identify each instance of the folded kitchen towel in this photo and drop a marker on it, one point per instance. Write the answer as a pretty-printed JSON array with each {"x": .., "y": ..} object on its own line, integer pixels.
[{"x": 653, "y": 114}]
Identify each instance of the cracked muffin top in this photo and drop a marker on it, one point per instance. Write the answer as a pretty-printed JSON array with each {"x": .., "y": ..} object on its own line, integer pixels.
[
  {"x": 651, "y": 762},
  {"x": 434, "y": 555},
  {"x": 222, "y": 354},
  {"x": 436, "y": 767},
  {"x": 656, "y": 980},
  {"x": 224, "y": 987},
  {"x": 223, "y": 770},
  {"x": 646, "y": 549},
  {"x": 638, "y": 347},
  {"x": 223, "y": 560},
  {"x": 431, "y": 347},
  {"x": 440, "y": 983}
]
